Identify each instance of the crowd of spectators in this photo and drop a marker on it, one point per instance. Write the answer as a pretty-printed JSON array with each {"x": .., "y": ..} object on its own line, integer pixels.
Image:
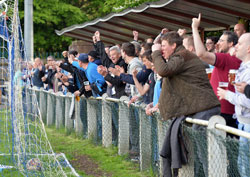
[{"x": 167, "y": 74}]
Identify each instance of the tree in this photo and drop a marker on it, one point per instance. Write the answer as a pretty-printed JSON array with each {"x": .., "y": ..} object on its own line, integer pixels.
[{"x": 50, "y": 15}]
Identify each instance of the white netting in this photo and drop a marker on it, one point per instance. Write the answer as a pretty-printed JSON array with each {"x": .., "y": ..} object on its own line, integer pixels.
[{"x": 24, "y": 146}]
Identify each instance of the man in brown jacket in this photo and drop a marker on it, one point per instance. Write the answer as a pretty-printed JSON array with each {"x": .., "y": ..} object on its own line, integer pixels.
[{"x": 186, "y": 90}]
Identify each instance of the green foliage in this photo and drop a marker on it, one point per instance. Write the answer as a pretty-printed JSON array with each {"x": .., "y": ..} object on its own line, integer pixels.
[
  {"x": 117, "y": 6},
  {"x": 50, "y": 15}
]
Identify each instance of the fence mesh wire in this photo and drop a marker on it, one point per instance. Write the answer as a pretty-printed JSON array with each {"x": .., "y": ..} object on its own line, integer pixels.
[
  {"x": 83, "y": 116},
  {"x": 69, "y": 121},
  {"x": 134, "y": 130},
  {"x": 135, "y": 133}
]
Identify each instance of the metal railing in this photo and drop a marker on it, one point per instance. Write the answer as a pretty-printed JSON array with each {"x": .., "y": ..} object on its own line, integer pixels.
[{"x": 111, "y": 121}]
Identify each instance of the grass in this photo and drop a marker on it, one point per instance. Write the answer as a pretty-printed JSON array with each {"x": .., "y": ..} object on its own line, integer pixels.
[{"x": 107, "y": 159}]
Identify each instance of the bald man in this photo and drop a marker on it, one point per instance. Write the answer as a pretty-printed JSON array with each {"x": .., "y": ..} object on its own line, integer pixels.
[
  {"x": 241, "y": 102},
  {"x": 239, "y": 29},
  {"x": 38, "y": 73}
]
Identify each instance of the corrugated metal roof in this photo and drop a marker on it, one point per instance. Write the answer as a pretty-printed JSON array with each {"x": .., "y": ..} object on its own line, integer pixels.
[{"x": 149, "y": 18}]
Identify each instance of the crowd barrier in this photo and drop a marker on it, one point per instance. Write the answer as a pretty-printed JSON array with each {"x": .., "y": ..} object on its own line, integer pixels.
[{"x": 110, "y": 121}]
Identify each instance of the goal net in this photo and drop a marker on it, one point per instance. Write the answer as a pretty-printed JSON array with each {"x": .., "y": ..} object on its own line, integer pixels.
[{"x": 24, "y": 146}]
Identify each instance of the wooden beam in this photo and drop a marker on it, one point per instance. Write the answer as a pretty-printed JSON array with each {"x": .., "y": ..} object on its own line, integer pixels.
[
  {"x": 104, "y": 35},
  {"x": 83, "y": 37},
  {"x": 185, "y": 15},
  {"x": 219, "y": 8},
  {"x": 129, "y": 28},
  {"x": 167, "y": 20},
  {"x": 76, "y": 36},
  {"x": 245, "y": 1},
  {"x": 140, "y": 22}
]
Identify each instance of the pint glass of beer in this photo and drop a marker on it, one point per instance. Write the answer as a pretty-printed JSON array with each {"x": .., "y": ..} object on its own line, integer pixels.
[
  {"x": 223, "y": 85},
  {"x": 209, "y": 72},
  {"x": 232, "y": 74},
  {"x": 86, "y": 83},
  {"x": 77, "y": 98}
]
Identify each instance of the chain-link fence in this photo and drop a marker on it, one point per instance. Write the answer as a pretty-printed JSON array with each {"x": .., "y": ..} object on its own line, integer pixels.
[{"x": 110, "y": 121}]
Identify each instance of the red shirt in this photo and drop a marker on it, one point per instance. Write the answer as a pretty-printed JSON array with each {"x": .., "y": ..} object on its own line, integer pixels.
[{"x": 224, "y": 62}]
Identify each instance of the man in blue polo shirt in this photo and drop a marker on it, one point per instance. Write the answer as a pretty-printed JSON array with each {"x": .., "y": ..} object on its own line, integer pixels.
[{"x": 96, "y": 83}]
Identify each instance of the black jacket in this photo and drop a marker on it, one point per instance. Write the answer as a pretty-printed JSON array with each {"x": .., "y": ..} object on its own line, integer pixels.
[
  {"x": 247, "y": 91},
  {"x": 174, "y": 151},
  {"x": 77, "y": 74},
  {"x": 50, "y": 78},
  {"x": 107, "y": 62}
]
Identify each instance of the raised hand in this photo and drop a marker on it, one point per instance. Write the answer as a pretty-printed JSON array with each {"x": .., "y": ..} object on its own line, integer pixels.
[
  {"x": 135, "y": 34},
  {"x": 164, "y": 31},
  {"x": 135, "y": 73},
  {"x": 71, "y": 58},
  {"x": 102, "y": 70},
  {"x": 97, "y": 35},
  {"x": 121, "y": 69},
  {"x": 156, "y": 47},
  {"x": 196, "y": 22},
  {"x": 94, "y": 39},
  {"x": 114, "y": 71}
]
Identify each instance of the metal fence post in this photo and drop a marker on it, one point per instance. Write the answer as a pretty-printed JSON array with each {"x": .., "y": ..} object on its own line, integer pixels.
[
  {"x": 145, "y": 139},
  {"x": 69, "y": 122},
  {"x": 28, "y": 101},
  {"x": 123, "y": 137},
  {"x": 92, "y": 120},
  {"x": 50, "y": 108},
  {"x": 37, "y": 93},
  {"x": 217, "y": 156},
  {"x": 34, "y": 102},
  {"x": 43, "y": 104},
  {"x": 78, "y": 121},
  {"x": 162, "y": 129},
  {"x": 60, "y": 110},
  {"x": 106, "y": 123}
]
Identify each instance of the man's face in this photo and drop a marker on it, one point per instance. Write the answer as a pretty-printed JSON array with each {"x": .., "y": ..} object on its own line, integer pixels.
[
  {"x": 242, "y": 48},
  {"x": 224, "y": 45},
  {"x": 150, "y": 40},
  {"x": 167, "y": 49},
  {"x": 80, "y": 63},
  {"x": 239, "y": 29},
  {"x": 147, "y": 63},
  {"x": 49, "y": 61},
  {"x": 114, "y": 56},
  {"x": 37, "y": 62},
  {"x": 91, "y": 59},
  {"x": 210, "y": 45},
  {"x": 142, "y": 51}
]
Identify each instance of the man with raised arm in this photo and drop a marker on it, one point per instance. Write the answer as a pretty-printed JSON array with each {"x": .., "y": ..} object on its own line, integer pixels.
[
  {"x": 186, "y": 90},
  {"x": 241, "y": 102},
  {"x": 222, "y": 61}
]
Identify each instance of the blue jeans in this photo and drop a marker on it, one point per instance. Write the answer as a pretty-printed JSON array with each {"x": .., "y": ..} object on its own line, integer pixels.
[{"x": 244, "y": 152}]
